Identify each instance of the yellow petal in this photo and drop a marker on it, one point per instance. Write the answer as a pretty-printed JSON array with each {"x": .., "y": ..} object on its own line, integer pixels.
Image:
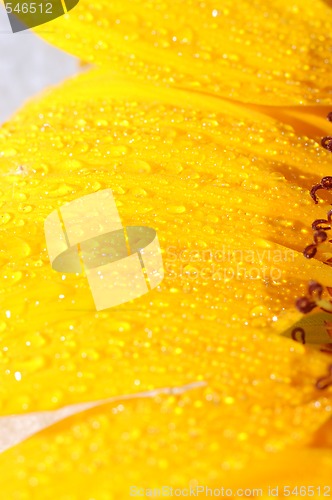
[
  {"x": 226, "y": 189},
  {"x": 275, "y": 53},
  {"x": 196, "y": 439},
  {"x": 219, "y": 183}
]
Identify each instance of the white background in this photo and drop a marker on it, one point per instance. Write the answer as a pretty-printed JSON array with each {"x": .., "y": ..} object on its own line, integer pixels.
[{"x": 27, "y": 65}]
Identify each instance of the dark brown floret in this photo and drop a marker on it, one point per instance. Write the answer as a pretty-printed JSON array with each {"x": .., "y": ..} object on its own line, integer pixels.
[
  {"x": 301, "y": 332},
  {"x": 320, "y": 237},
  {"x": 325, "y": 183},
  {"x": 305, "y": 305},
  {"x": 327, "y": 143},
  {"x": 315, "y": 287},
  {"x": 316, "y": 225}
]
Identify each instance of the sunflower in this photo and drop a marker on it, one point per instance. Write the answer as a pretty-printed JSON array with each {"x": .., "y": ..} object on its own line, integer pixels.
[{"x": 205, "y": 121}]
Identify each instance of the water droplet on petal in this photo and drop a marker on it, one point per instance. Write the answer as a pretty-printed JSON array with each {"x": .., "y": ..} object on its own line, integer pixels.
[
  {"x": 177, "y": 209},
  {"x": 25, "y": 208},
  {"x": 4, "y": 218}
]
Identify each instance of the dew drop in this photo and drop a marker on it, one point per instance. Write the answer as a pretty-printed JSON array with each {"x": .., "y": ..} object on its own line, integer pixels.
[
  {"x": 25, "y": 208},
  {"x": 7, "y": 153},
  {"x": 177, "y": 209},
  {"x": 117, "y": 151},
  {"x": 33, "y": 364},
  {"x": 90, "y": 354},
  {"x": 95, "y": 186},
  {"x": 69, "y": 164},
  {"x": 20, "y": 196},
  {"x": 4, "y": 218},
  {"x": 15, "y": 277},
  {"x": 62, "y": 190},
  {"x": 259, "y": 311},
  {"x": 277, "y": 176},
  {"x": 81, "y": 123},
  {"x": 101, "y": 123},
  {"x": 174, "y": 168},
  {"x": 19, "y": 222}
]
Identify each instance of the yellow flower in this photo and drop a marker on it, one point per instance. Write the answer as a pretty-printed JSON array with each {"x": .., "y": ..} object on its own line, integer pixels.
[{"x": 226, "y": 186}]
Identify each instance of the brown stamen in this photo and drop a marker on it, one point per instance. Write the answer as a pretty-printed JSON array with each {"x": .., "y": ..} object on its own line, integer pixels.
[
  {"x": 329, "y": 116},
  {"x": 302, "y": 333},
  {"x": 310, "y": 251},
  {"x": 325, "y": 183},
  {"x": 324, "y": 382},
  {"x": 327, "y": 143},
  {"x": 327, "y": 349}
]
